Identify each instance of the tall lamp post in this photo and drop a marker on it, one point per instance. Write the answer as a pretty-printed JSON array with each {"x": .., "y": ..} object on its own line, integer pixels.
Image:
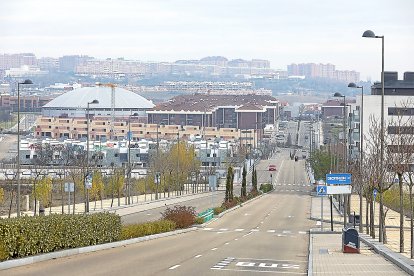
[
  {"x": 371, "y": 34},
  {"x": 129, "y": 161},
  {"x": 337, "y": 94},
  {"x": 361, "y": 149},
  {"x": 18, "y": 142},
  {"x": 87, "y": 153}
]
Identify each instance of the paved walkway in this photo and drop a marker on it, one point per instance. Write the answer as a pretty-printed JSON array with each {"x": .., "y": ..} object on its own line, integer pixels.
[
  {"x": 143, "y": 202},
  {"x": 327, "y": 259}
]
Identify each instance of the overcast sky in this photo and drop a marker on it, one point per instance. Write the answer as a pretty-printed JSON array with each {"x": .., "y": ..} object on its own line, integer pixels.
[{"x": 282, "y": 31}]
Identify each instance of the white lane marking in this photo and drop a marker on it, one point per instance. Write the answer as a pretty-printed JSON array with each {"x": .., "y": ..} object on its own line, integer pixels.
[
  {"x": 174, "y": 267},
  {"x": 318, "y": 222},
  {"x": 286, "y": 232},
  {"x": 236, "y": 239},
  {"x": 290, "y": 216},
  {"x": 213, "y": 249},
  {"x": 207, "y": 229},
  {"x": 271, "y": 231},
  {"x": 226, "y": 243},
  {"x": 198, "y": 256},
  {"x": 148, "y": 214},
  {"x": 280, "y": 235},
  {"x": 254, "y": 230},
  {"x": 261, "y": 222},
  {"x": 238, "y": 229},
  {"x": 219, "y": 232},
  {"x": 247, "y": 234},
  {"x": 223, "y": 229}
]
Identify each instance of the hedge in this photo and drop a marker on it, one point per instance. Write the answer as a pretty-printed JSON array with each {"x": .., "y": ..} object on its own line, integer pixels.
[
  {"x": 147, "y": 228},
  {"x": 24, "y": 236}
]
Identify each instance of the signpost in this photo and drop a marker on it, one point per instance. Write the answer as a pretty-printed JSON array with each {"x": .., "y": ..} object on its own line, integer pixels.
[
  {"x": 321, "y": 191},
  {"x": 69, "y": 187},
  {"x": 339, "y": 183}
]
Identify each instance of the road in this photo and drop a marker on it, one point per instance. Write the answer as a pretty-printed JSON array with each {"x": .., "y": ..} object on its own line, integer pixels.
[{"x": 266, "y": 236}]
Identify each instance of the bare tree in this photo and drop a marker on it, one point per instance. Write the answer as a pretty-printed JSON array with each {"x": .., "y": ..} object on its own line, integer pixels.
[
  {"x": 400, "y": 151},
  {"x": 379, "y": 178}
]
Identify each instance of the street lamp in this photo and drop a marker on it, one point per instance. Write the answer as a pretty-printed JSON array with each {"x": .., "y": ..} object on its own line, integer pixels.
[
  {"x": 371, "y": 34},
  {"x": 361, "y": 154},
  {"x": 337, "y": 94},
  {"x": 87, "y": 153},
  {"x": 18, "y": 142},
  {"x": 129, "y": 160}
]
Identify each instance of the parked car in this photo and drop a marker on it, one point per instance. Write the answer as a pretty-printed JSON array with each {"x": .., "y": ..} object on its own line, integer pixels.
[{"x": 272, "y": 167}]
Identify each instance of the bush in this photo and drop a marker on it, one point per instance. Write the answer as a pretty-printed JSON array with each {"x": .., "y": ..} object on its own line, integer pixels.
[
  {"x": 218, "y": 210},
  {"x": 148, "y": 228},
  {"x": 265, "y": 188},
  {"x": 183, "y": 216},
  {"x": 199, "y": 220},
  {"x": 27, "y": 236}
]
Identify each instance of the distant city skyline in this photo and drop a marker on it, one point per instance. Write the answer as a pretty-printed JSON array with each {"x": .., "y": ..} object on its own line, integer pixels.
[{"x": 297, "y": 31}]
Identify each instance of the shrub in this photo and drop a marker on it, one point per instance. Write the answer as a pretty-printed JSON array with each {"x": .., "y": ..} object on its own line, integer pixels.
[
  {"x": 265, "y": 188},
  {"x": 27, "y": 236},
  {"x": 183, "y": 216},
  {"x": 199, "y": 220},
  {"x": 218, "y": 210},
  {"x": 148, "y": 228},
  {"x": 230, "y": 204}
]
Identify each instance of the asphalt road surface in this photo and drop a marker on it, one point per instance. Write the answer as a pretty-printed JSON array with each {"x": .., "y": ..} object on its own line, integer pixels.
[{"x": 267, "y": 236}]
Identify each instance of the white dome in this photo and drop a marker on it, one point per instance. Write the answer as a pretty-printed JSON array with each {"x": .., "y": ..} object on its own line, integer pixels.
[{"x": 79, "y": 98}]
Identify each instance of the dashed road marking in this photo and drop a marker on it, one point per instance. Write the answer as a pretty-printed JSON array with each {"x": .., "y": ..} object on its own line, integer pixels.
[
  {"x": 207, "y": 229},
  {"x": 174, "y": 267},
  {"x": 271, "y": 231},
  {"x": 223, "y": 229},
  {"x": 214, "y": 249},
  {"x": 198, "y": 256},
  {"x": 239, "y": 229}
]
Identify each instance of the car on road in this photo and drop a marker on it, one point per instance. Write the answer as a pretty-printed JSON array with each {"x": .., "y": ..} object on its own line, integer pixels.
[{"x": 272, "y": 167}]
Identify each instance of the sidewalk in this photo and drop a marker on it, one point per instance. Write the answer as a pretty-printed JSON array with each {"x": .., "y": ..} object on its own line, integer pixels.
[
  {"x": 138, "y": 203},
  {"x": 392, "y": 222},
  {"x": 392, "y": 219},
  {"x": 326, "y": 258},
  {"x": 328, "y": 242}
]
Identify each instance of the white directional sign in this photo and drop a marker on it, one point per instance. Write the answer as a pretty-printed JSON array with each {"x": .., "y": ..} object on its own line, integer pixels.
[
  {"x": 69, "y": 187},
  {"x": 338, "y": 190}
]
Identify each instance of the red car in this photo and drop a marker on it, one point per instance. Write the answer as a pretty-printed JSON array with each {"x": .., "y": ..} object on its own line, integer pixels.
[{"x": 272, "y": 167}]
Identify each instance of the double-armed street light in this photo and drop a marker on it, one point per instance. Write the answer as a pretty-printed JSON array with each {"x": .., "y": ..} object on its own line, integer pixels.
[{"x": 18, "y": 142}]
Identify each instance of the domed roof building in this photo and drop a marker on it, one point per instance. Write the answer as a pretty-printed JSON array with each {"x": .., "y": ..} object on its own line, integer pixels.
[{"x": 74, "y": 103}]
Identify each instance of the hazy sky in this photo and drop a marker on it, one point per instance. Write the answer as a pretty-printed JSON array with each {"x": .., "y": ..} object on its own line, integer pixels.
[{"x": 283, "y": 32}]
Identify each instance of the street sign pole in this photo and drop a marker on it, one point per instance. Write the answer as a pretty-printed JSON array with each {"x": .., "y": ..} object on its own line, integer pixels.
[
  {"x": 331, "y": 213},
  {"x": 322, "y": 213}
]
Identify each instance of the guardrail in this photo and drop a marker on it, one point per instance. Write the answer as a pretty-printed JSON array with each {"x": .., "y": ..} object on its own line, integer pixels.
[{"x": 207, "y": 214}]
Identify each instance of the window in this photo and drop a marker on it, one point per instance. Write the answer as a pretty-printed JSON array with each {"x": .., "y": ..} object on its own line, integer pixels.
[
  {"x": 400, "y": 130},
  {"x": 400, "y": 111}
]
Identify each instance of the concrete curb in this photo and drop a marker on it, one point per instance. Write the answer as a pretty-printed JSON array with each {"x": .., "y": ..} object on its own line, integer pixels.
[
  {"x": 310, "y": 255},
  {"x": 398, "y": 259},
  {"x": 76, "y": 251}
]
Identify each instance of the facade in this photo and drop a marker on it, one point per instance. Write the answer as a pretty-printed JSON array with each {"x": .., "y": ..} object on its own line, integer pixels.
[
  {"x": 394, "y": 86},
  {"x": 27, "y": 103},
  {"x": 220, "y": 111},
  {"x": 100, "y": 130},
  {"x": 327, "y": 71}
]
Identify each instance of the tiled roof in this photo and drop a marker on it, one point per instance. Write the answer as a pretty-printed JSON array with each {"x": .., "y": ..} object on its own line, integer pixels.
[{"x": 202, "y": 102}]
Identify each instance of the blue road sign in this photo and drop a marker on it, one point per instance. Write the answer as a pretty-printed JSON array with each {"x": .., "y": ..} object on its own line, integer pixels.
[
  {"x": 338, "y": 178},
  {"x": 321, "y": 190},
  {"x": 374, "y": 192}
]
